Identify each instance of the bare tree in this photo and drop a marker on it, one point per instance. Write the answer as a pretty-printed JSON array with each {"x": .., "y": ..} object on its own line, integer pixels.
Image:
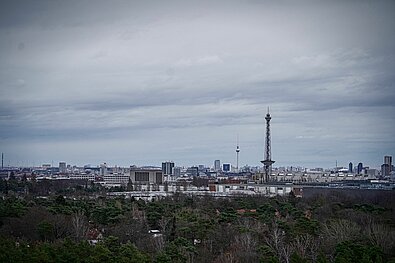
[
  {"x": 136, "y": 213},
  {"x": 245, "y": 241},
  {"x": 61, "y": 226},
  {"x": 163, "y": 222},
  {"x": 158, "y": 242},
  {"x": 341, "y": 230},
  {"x": 227, "y": 257},
  {"x": 306, "y": 246},
  {"x": 80, "y": 225},
  {"x": 276, "y": 241},
  {"x": 381, "y": 236}
]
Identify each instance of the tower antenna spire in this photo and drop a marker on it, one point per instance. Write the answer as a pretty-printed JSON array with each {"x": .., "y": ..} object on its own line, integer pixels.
[
  {"x": 267, "y": 162},
  {"x": 237, "y": 154}
]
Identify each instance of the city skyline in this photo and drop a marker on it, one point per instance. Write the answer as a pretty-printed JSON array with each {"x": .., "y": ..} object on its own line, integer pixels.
[{"x": 132, "y": 82}]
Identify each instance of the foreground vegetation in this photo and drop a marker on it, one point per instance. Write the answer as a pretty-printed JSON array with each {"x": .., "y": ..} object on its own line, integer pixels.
[{"x": 331, "y": 228}]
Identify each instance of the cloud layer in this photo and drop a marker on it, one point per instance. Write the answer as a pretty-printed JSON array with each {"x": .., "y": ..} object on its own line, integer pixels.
[{"x": 142, "y": 82}]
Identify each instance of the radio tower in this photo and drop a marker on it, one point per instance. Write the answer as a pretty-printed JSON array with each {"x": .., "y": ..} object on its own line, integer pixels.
[
  {"x": 237, "y": 154},
  {"x": 268, "y": 154}
]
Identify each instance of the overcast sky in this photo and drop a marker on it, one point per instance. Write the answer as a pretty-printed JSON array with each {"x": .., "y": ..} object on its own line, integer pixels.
[{"x": 141, "y": 82}]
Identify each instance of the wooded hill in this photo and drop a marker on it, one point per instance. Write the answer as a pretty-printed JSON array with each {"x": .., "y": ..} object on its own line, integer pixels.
[{"x": 335, "y": 227}]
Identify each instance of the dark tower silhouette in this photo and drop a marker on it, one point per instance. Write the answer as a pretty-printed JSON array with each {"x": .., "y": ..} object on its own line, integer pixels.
[
  {"x": 359, "y": 168},
  {"x": 268, "y": 152},
  {"x": 237, "y": 154},
  {"x": 2, "y": 160}
]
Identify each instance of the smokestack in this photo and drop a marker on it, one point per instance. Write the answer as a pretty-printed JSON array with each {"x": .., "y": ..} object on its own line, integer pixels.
[{"x": 2, "y": 160}]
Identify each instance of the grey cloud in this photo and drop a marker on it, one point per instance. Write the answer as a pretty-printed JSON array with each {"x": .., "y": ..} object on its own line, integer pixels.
[{"x": 149, "y": 73}]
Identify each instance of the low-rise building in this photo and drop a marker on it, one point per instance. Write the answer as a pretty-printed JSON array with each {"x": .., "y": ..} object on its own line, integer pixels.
[{"x": 116, "y": 179}]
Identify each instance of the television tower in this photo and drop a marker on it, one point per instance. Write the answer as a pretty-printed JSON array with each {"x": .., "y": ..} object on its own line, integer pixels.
[
  {"x": 268, "y": 154},
  {"x": 237, "y": 154}
]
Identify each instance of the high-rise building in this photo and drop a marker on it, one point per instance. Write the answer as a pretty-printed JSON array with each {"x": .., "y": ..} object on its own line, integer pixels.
[
  {"x": 168, "y": 168},
  {"x": 226, "y": 167},
  {"x": 388, "y": 160},
  {"x": 350, "y": 167},
  {"x": 103, "y": 169},
  {"x": 62, "y": 167},
  {"x": 217, "y": 165},
  {"x": 177, "y": 171},
  {"x": 386, "y": 168},
  {"x": 359, "y": 168}
]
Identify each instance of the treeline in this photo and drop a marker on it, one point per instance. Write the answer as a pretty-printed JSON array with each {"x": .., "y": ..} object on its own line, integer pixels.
[
  {"x": 22, "y": 186},
  {"x": 331, "y": 228}
]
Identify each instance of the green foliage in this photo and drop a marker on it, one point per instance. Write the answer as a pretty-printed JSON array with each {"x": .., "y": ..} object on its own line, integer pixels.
[
  {"x": 154, "y": 212},
  {"x": 227, "y": 216},
  {"x": 369, "y": 208},
  {"x": 349, "y": 251},
  {"x": 129, "y": 253},
  {"x": 176, "y": 251},
  {"x": 305, "y": 225},
  {"x": 106, "y": 215},
  {"x": 45, "y": 231},
  {"x": 322, "y": 259},
  {"x": 296, "y": 258},
  {"x": 266, "y": 213},
  {"x": 68, "y": 251},
  {"x": 12, "y": 207},
  {"x": 218, "y": 225}
]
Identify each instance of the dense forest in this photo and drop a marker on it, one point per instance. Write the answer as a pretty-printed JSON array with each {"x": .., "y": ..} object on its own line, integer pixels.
[{"x": 335, "y": 227}]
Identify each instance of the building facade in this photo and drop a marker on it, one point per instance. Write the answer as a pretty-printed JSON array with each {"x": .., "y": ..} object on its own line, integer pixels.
[
  {"x": 168, "y": 168},
  {"x": 226, "y": 167},
  {"x": 217, "y": 165},
  {"x": 146, "y": 175},
  {"x": 116, "y": 179},
  {"x": 62, "y": 168}
]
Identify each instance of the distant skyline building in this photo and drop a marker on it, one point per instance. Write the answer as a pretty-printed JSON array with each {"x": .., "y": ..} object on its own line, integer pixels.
[
  {"x": 388, "y": 160},
  {"x": 103, "y": 169},
  {"x": 146, "y": 175},
  {"x": 267, "y": 162},
  {"x": 168, "y": 168},
  {"x": 226, "y": 167},
  {"x": 193, "y": 171},
  {"x": 359, "y": 168},
  {"x": 62, "y": 167},
  {"x": 217, "y": 165},
  {"x": 177, "y": 171},
  {"x": 386, "y": 168},
  {"x": 350, "y": 167}
]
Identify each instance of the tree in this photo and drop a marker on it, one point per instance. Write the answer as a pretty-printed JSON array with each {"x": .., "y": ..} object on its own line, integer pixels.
[
  {"x": 80, "y": 226},
  {"x": 129, "y": 253},
  {"x": 45, "y": 231}
]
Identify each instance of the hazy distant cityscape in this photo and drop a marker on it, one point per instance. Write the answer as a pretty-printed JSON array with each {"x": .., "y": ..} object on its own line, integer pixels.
[
  {"x": 197, "y": 131},
  {"x": 220, "y": 177}
]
